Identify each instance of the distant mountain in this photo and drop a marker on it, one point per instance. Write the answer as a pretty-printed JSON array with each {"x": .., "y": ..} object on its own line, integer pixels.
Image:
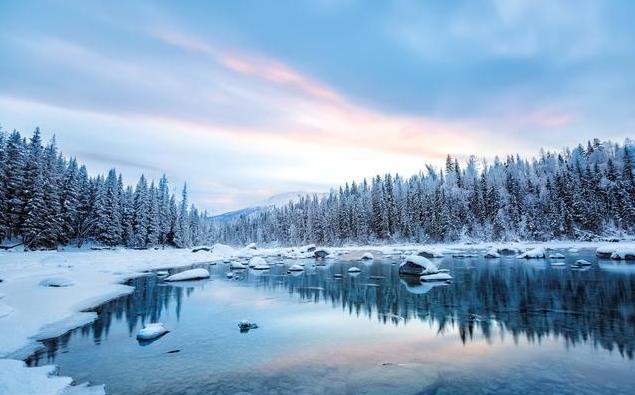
[{"x": 278, "y": 200}]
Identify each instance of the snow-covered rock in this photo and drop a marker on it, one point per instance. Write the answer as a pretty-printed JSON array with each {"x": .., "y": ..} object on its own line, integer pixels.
[
  {"x": 192, "y": 274},
  {"x": 557, "y": 263},
  {"x": 492, "y": 254},
  {"x": 257, "y": 261},
  {"x": 624, "y": 253},
  {"x": 367, "y": 256},
  {"x": 536, "y": 253},
  {"x": 582, "y": 262},
  {"x": 251, "y": 246},
  {"x": 229, "y": 275},
  {"x": 508, "y": 250},
  {"x": 417, "y": 265},
  {"x": 152, "y": 331},
  {"x": 320, "y": 253},
  {"x": 263, "y": 266},
  {"x": 56, "y": 282},
  {"x": 605, "y": 252},
  {"x": 557, "y": 255},
  {"x": 296, "y": 268},
  {"x": 436, "y": 277},
  {"x": 354, "y": 269},
  {"x": 162, "y": 273},
  {"x": 237, "y": 266},
  {"x": 430, "y": 253}
]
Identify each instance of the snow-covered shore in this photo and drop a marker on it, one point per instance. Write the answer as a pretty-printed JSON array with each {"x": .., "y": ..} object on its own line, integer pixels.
[{"x": 78, "y": 280}]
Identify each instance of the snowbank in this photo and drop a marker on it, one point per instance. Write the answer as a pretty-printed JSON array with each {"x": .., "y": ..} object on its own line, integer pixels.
[
  {"x": 152, "y": 331},
  {"x": 418, "y": 265},
  {"x": 192, "y": 274},
  {"x": 536, "y": 253},
  {"x": 222, "y": 250}
]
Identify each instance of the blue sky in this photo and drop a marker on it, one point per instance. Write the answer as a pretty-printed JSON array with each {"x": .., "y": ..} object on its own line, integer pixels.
[{"x": 246, "y": 99}]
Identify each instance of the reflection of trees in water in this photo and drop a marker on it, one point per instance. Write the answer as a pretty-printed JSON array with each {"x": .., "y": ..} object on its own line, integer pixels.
[
  {"x": 580, "y": 306},
  {"x": 524, "y": 300}
]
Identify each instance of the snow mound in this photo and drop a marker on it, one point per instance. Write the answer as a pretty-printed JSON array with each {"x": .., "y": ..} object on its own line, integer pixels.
[
  {"x": 536, "y": 253},
  {"x": 418, "y": 265},
  {"x": 430, "y": 253},
  {"x": 367, "y": 256},
  {"x": 557, "y": 255},
  {"x": 296, "y": 268},
  {"x": 354, "y": 270},
  {"x": 251, "y": 246},
  {"x": 152, "y": 331},
  {"x": 56, "y": 282},
  {"x": 192, "y": 274},
  {"x": 436, "y": 277},
  {"x": 624, "y": 253},
  {"x": 257, "y": 261}
]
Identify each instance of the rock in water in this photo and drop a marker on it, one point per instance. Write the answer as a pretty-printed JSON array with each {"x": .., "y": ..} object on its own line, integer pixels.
[
  {"x": 417, "y": 265},
  {"x": 246, "y": 325},
  {"x": 152, "y": 331},
  {"x": 354, "y": 270},
  {"x": 296, "y": 268},
  {"x": 321, "y": 253},
  {"x": 192, "y": 274}
]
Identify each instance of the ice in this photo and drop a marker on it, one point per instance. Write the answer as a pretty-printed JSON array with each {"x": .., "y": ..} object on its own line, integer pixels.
[
  {"x": 56, "y": 282},
  {"x": 419, "y": 288},
  {"x": 414, "y": 264},
  {"x": 152, "y": 331},
  {"x": 535, "y": 253},
  {"x": 436, "y": 277},
  {"x": 192, "y": 274}
]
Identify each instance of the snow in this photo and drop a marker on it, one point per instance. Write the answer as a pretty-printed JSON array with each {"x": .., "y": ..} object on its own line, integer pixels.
[
  {"x": 224, "y": 250},
  {"x": 557, "y": 263},
  {"x": 296, "y": 268},
  {"x": 354, "y": 270},
  {"x": 307, "y": 248},
  {"x": 582, "y": 262},
  {"x": 535, "y": 253},
  {"x": 436, "y": 277},
  {"x": 56, "y": 282},
  {"x": 367, "y": 256},
  {"x": 16, "y": 378},
  {"x": 192, "y": 274},
  {"x": 251, "y": 246},
  {"x": 152, "y": 331},
  {"x": 262, "y": 267}
]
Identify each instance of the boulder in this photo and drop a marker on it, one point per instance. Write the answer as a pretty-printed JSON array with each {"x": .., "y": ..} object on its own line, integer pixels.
[
  {"x": 417, "y": 265},
  {"x": 320, "y": 253}
]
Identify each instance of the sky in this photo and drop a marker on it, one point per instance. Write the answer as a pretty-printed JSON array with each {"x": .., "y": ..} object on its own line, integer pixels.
[{"x": 249, "y": 99}]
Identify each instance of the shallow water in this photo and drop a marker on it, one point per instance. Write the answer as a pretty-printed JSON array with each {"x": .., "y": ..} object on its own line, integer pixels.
[{"x": 503, "y": 326}]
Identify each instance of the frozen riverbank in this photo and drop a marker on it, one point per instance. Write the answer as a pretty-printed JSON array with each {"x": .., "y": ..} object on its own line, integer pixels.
[{"x": 84, "y": 279}]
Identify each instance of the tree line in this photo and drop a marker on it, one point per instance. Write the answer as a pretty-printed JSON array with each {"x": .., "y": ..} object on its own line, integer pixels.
[
  {"x": 581, "y": 193},
  {"x": 48, "y": 200}
]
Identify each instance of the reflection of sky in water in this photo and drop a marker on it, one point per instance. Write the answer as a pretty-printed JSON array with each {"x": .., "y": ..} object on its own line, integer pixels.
[{"x": 502, "y": 326}]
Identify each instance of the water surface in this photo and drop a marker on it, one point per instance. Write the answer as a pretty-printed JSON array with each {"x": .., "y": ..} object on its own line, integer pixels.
[{"x": 502, "y": 326}]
